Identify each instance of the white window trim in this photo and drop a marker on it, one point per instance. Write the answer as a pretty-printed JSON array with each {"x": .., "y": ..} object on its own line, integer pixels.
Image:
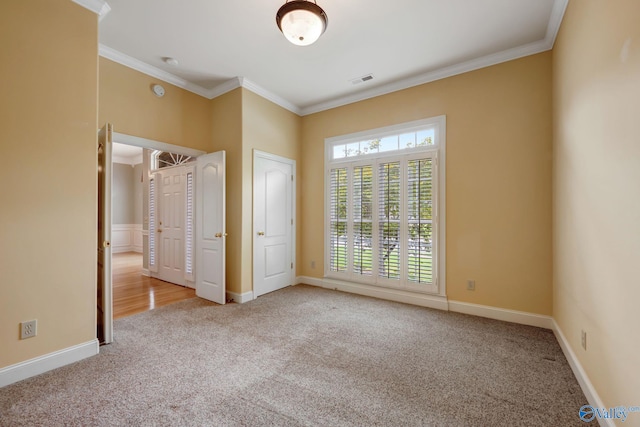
[{"x": 439, "y": 147}]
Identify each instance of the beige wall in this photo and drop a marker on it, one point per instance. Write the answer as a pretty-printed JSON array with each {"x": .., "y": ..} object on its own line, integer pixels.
[
  {"x": 243, "y": 121},
  {"x": 498, "y": 177},
  {"x": 273, "y": 129},
  {"x": 122, "y": 189},
  {"x": 126, "y": 101},
  {"x": 596, "y": 187},
  {"x": 48, "y": 122},
  {"x": 226, "y": 124}
]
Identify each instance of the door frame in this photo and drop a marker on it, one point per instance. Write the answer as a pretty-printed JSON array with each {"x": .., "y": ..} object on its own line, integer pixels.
[
  {"x": 292, "y": 162},
  {"x": 151, "y": 144}
]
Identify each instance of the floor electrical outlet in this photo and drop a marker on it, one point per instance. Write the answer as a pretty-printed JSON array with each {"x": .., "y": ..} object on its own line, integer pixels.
[
  {"x": 471, "y": 285},
  {"x": 28, "y": 329}
]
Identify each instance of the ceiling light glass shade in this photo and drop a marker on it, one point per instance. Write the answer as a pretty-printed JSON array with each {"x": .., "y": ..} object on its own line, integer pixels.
[{"x": 301, "y": 22}]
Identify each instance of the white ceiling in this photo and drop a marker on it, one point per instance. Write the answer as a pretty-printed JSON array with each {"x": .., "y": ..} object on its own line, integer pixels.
[
  {"x": 224, "y": 44},
  {"x": 127, "y": 154}
]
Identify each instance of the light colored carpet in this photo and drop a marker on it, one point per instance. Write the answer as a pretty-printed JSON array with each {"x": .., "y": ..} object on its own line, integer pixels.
[{"x": 306, "y": 356}]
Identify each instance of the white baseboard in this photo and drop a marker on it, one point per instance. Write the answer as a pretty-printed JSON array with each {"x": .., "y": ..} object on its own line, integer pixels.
[
  {"x": 423, "y": 300},
  {"x": 145, "y": 272},
  {"x": 432, "y": 301},
  {"x": 123, "y": 249},
  {"x": 585, "y": 384},
  {"x": 39, "y": 365},
  {"x": 240, "y": 298},
  {"x": 514, "y": 316}
]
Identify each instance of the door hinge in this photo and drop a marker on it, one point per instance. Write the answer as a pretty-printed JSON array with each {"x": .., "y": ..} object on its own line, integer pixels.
[
  {"x": 292, "y": 178},
  {"x": 291, "y": 221},
  {"x": 292, "y": 266}
]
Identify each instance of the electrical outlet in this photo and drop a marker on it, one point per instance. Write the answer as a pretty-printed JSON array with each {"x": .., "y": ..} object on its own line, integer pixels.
[
  {"x": 28, "y": 329},
  {"x": 584, "y": 340},
  {"x": 471, "y": 285}
]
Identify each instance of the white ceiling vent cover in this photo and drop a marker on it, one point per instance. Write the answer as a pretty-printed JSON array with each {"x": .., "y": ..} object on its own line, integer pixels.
[{"x": 362, "y": 79}]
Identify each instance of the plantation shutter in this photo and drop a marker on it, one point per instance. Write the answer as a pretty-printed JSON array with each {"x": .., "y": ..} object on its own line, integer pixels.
[
  {"x": 362, "y": 220},
  {"x": 338, "y": 219},
  {"x": 188, "y": 253},
  {"x": 389, "y": 237},
  {"x": 152, "y": 225},
  {"x": 419, "y": 219}
]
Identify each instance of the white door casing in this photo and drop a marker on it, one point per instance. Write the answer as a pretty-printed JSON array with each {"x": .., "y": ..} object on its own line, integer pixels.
[
  {"x": 170, "y": 226},
  {"x": 210, "y": 227},
  {"x": 273, "y": 222},
  {"x": 104, "y": 285},
  {"x": 104, "y": 273}
]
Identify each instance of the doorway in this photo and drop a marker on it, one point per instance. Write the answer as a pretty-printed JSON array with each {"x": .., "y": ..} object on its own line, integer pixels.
[
  {"x": 209, "y": 199},
  {"x": 274, "y": 201}
]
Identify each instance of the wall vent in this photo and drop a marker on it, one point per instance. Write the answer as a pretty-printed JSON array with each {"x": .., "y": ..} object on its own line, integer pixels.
[{"x": 361, "y": 79}]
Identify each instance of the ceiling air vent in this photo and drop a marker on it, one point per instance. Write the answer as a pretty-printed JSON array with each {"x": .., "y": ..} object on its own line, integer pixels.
[{"x": 362, "y": 79}]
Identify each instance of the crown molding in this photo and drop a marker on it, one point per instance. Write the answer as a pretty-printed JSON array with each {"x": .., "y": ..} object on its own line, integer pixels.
[
  {"x": 225, "y": 87},
  {"x": 99, "y": 7},
  {"x": 150, "y": 70},
  {"x": 555, "y": 20},
  {"x": 221, "y": 89},
  {"x": 543, "y": 45},
  {"x": 259, "y": 90},
  {"x": 431, "y": 76},
  {"x": 243, "y": 82}
]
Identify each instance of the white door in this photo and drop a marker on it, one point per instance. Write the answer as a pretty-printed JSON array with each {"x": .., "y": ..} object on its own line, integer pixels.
[
  {"x": 273, "y": 222},
  {"x": 210, "y": 227},
  {"x": 170, "y": 227},
  {"x": 104, "y": 286}
]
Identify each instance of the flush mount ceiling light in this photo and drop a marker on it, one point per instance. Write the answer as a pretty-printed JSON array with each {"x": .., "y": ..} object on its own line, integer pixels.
[{"x": 302, "y": 22}]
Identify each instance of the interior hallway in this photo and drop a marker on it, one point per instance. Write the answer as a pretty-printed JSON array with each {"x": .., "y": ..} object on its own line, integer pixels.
[{"x": 134, "y": 293}]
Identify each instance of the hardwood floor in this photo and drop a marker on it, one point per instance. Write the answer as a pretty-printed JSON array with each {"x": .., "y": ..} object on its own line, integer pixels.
[{"x": 134, "y": 293}]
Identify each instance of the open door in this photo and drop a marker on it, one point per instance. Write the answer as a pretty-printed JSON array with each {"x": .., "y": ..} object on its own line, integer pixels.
[
  {"x": 210, "y": 227},
  {"x": 105, "y": 290}
]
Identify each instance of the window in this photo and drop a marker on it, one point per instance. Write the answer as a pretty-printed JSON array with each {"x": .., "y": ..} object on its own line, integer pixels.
[
  {"x": 383, "y": 195},
  {"x": 165, "y": 159}
]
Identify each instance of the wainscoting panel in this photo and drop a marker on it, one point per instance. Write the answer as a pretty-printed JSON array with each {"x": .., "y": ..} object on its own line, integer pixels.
[{"x": 126, "y": 238}]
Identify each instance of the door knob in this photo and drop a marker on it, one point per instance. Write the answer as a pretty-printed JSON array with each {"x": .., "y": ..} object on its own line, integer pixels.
[
  {"x": 260, "y": 233},
  {"x": 159, "y": 231}
]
